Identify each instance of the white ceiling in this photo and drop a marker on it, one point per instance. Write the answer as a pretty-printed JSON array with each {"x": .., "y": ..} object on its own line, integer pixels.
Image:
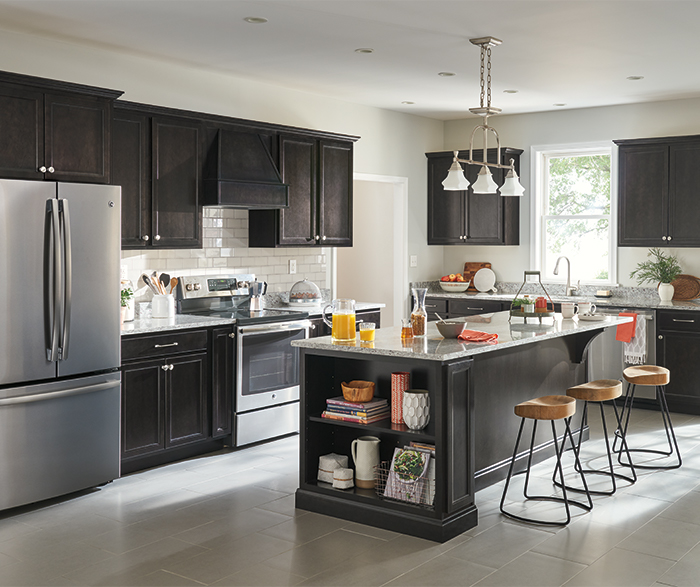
[{"x": 576, "y": 52}]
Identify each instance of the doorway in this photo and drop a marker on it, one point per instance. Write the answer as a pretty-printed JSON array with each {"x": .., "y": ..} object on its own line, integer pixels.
[{"x": 375, "y": 268}]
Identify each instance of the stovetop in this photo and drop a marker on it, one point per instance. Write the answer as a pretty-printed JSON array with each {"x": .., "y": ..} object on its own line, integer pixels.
[{"x": 244, "y": 316}]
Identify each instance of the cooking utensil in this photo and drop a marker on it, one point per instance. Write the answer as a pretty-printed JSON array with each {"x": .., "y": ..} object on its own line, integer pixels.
[
  {"x": 438, "y": 315},
  {"x": 150, "y": 284},
  {"x": 470, "y": 269},
  {"x": 164, "y": 279},
  {"x": 156, "y": 282},
  {"x": 173, "y": 284}
]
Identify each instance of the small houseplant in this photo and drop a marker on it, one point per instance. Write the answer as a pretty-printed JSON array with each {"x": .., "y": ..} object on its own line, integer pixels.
[
  {"x": 127, "y": 295},
  {"x": 662, "y": 269}
]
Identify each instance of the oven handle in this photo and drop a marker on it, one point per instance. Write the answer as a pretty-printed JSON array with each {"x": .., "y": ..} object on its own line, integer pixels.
[{"x": 275, "y": 327}]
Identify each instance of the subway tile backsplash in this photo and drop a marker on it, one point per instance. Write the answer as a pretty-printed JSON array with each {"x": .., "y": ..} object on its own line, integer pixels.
[{"x": 225, "y": 239}]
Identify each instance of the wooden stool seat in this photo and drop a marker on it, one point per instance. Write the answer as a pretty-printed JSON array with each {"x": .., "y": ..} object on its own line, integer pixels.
[
  {"x": 647, "y": 375},
  {"x": 601, "y": 390},
  {"x": 548, "y": 407}
]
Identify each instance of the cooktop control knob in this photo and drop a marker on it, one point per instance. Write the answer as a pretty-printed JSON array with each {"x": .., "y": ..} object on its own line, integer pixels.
[
  {"x": 189, "y": 287},
  {"x": 197, "y": 286}
]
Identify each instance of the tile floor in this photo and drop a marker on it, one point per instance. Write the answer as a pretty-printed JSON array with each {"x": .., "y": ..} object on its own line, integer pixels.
[{"x": 229, "y": 519}]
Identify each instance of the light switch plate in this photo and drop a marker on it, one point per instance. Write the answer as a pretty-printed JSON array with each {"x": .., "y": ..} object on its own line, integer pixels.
[
  {"x": 414, "y": 260},
  {"x": 292, "y": 266}
]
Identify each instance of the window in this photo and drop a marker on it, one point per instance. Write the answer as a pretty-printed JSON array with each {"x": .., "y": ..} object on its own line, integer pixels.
[{"x": 574, "y": 216}]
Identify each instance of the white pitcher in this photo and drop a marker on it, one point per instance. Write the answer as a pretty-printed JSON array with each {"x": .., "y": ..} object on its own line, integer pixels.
[{"x": 365, "y": 453}]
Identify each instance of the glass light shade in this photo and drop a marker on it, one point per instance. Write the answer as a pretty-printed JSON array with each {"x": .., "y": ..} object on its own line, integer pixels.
[
  {"x": 511, "y": 186},
  {"x": 455, "y": 180},
  {"x": 484, "y": 183}
]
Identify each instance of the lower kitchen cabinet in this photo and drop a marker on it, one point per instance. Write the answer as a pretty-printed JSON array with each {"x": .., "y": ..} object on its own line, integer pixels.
[
  {"x": 678, "y": 349},
  {"x": 223, "y": 372},
  {"x": 456, "y": 308}
]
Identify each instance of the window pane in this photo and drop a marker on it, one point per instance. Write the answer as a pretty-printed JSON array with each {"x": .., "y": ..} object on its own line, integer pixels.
[
  {"x": 579, "y": 185},
  {"x": 584, "y": 242}
]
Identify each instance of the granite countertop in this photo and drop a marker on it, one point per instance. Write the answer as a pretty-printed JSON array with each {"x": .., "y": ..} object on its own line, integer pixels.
[
  {"x": 434, "y": 347},
  {"x": 179, "y": 322}
]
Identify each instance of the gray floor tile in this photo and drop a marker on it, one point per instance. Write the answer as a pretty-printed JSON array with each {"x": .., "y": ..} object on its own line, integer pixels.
[
  {"x": 663, "y": 537},
  {"x": 305, "y": 528},
  {"x": 260, "y": 575},
  {"x": 533, "y": 570},
  {"x": 443, "y": 571},
  {"x": 284, "y": 505},
  {"x": 686, "y": 572},
  {"x": 686, "y": 509},
  {"x": 622, "y": 568},
  {"x": 166, "y": 579}
]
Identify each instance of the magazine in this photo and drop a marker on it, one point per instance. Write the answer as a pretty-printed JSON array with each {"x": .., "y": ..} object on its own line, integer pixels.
[{"x": 407, "y": 478}]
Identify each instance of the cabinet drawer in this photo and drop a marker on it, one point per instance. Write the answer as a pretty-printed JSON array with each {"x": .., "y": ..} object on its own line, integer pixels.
[
  {"x": 433, "y": 307},
  {"x": 468, "y": 307},
  {"x": 163, "y": 344},
  {"x": 682, "y": 321}
]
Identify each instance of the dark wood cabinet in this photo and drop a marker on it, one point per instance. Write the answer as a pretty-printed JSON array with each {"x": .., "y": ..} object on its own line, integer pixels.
[
  {"x": 657, "y": 201},
  {"x": 677, "y": 349},
  {"x": 143, "y": 412},
  {"x": 186, "y": 405},
  {"x": 318, "y": 172},
  {"x": 222, "y": 381},
  {"x": 54, "y": 130},
  {"x": 456, "y": 307},
  {"x": 466, "y": 218},
  {"x": 320, "y": 328}
]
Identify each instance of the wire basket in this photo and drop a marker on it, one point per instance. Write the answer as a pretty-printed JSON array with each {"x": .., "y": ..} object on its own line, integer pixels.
[{"x": 416, "y": 491}]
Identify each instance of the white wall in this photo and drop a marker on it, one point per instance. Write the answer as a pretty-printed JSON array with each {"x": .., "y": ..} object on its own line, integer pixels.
[
  {"x": 391, "y": 143},
  {"x": 678, "y": 117}
]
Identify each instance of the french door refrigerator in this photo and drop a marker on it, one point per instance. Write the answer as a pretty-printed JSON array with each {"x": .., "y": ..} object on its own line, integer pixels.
[{"x": 59, "y": 338}]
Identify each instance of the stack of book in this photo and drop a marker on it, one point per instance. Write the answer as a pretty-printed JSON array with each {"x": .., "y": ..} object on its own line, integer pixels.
[{"x": 362, "y": 413}]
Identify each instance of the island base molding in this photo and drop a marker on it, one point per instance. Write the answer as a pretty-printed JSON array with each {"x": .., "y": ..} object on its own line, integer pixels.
[{"x": 436, "y": 529}]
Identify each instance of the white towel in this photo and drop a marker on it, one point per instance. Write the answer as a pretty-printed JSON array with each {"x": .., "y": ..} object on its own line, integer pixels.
[{"x": 635, "y": 351}]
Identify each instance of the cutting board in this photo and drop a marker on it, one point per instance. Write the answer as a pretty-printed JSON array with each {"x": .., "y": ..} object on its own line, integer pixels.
[
  {"x": 686, "y": 287},
  {"x": 470, "y": 268}
]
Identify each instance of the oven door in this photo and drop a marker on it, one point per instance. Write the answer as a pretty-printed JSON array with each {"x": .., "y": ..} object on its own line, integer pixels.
[{"x": 267, "y": 364}]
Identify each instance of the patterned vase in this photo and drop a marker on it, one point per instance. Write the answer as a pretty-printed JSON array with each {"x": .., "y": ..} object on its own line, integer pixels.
[{"x": 416, "y": 408}]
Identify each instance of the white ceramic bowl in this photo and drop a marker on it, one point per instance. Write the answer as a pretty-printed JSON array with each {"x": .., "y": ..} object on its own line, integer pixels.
[{"x": 454, "y": 286}]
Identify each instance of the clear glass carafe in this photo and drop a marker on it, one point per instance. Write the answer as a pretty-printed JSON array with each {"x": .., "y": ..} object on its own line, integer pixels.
[{"x": 419, "y": 316}]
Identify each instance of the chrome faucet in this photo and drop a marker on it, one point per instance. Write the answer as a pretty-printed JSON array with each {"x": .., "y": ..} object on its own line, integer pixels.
[{"x": 569, "y": 288}]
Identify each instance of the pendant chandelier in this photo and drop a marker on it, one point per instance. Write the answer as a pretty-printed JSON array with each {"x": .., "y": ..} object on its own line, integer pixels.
[{"x": 484, "y": 184}]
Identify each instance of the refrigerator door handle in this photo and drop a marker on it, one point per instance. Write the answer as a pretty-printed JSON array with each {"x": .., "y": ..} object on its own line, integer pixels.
[
  {"x": 40, "y": 397},
  {"x": 55, "y": 300},
  {"x": 64, "y": 216}
]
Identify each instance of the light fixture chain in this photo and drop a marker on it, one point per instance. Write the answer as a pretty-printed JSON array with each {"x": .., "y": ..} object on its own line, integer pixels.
[
  {"x": 481, "y": 76},
  {"x": 488, "y": 78}
]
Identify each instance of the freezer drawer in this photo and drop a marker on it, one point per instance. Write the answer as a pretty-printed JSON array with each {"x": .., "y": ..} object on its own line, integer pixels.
[
  {"x": 58, "y": 438},
  {"x": 268, "y": 423}
]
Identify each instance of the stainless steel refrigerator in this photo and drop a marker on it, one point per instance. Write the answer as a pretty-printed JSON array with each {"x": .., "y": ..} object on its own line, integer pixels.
[{"x": 59, "y": 338}]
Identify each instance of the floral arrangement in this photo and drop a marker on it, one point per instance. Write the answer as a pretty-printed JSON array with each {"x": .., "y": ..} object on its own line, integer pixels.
[{"x": 661, "y": 269}]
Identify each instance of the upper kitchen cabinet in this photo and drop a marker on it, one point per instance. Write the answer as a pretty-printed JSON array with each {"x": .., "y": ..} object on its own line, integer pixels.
[
  {"x": 54, "y": 130},
  {"x": 318, "y": 172},
  {"x": 466, "y": 218},
  {"x": 157, "y": 161},
  {"x": 657, "y": 185}
]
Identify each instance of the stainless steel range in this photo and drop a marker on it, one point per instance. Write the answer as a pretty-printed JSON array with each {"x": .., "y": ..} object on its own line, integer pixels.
[{"x": 266, "y": 374}]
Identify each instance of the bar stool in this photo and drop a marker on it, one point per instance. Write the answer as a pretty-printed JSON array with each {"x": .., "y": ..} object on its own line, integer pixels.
[
  {"x": 648, "y": 375},
  {"x": 600, "y": 391},
  {"x": 549, "y": 407}
]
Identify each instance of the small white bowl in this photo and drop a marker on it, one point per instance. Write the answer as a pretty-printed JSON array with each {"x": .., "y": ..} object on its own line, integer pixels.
[{"x": 454, "y": 286}]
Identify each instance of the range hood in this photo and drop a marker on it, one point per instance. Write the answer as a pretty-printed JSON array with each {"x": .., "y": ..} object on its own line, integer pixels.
[{"x": 240, "y": 173}]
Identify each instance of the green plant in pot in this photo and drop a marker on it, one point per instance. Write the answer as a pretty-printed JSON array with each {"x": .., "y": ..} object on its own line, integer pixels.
[
  {"x": 127, "y": 305},
  {"x": 127, "y": 294},
  {"x": 661, "y": 269}
]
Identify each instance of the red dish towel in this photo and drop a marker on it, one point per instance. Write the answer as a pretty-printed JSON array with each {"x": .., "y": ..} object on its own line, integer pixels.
[
  {"x": 625, "y": 332},
  {"x": 477, "y": 336}
]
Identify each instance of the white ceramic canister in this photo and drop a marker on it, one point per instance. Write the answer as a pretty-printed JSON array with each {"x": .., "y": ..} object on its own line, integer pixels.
[
  {"x": 416, "y": 408},
  {"x": 365, "y": 454},
  {"x": 163, "y": 306}
]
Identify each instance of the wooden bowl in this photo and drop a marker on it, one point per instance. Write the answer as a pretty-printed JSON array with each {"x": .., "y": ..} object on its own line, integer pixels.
[{"x": 358, "y": 391}]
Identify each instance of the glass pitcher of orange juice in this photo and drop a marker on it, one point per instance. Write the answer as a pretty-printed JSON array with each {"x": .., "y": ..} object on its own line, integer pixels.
[{"x": 343, "y": 320}]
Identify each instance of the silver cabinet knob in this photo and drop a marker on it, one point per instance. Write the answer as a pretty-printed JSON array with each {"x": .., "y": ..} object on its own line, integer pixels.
[
  {"x": 157, "y": 237},
  {"x": 317, "y": 237},
  {"x": 42, "y": 169},
  {"x": 164, "y": 367},
  {"x": 232, "y": 335},
  {"x": 323, "y": 238},
  {"x": 663, "y": 238},
  {"x": 145, "y": 238},
  {"x": 51, "y": 170},
  {"x": 668, "y": 238},
  {"x": 171, "y": 367},
  {"x": 661, "y": 337}
]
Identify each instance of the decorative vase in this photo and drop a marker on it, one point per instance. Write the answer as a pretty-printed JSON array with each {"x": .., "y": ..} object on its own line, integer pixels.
[
  {"x": 665, "y": 292},
  {"x": 365, "y": 454},
  {"x": 399, "y": 384},
  {"x": 122, "y": 314},
  {"x": 416, "y": 408}
]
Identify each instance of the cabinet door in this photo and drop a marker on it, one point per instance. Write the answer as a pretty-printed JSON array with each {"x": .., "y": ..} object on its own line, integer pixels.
[
  {"x": 318, "y": 328},
  {"x": 176, "y": 214},
  {"x": 186, "y": 404},
  {"x": 643, "y": 195},
  {"x": 684, "y": 208},
  {"x": 297, "y": 224},
  {"x": 131, "y": 170},
  {"x": 679, "y": 353},
  {"x": 484, "y": 211},
  {"x": 335, "y": 194},
  {"x": 22, "y": 124},
  {"x": 77, "y": 138},
  {"x": 368, "y": 316},
  {"x": 143, "y": 429},
  {"x": 222, "y": 370},
  {"x": 446, "y": 209}
]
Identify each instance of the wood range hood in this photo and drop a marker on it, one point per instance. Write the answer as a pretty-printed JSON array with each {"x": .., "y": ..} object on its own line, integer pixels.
[{"x": 241, "y": 173}]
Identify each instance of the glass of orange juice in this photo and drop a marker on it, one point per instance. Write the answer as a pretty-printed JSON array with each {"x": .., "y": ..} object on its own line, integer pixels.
[{"x": 367, "y": 331}]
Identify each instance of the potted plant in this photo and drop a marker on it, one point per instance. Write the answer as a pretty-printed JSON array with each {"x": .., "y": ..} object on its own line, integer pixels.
[
  {"x": 127, "y": 304},
  {"x": 662, "y": 269}
]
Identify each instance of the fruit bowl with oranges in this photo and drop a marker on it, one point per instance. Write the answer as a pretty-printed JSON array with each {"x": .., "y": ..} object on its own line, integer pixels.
[{"x": 454, "y": 283}]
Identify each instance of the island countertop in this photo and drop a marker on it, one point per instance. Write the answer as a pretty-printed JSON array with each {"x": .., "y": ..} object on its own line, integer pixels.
[{"x": 433, "y": 347}]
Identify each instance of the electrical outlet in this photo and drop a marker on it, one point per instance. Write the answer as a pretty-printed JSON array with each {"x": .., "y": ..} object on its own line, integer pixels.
[
  {"x": 292, "y": 266},
  {"x": 414, "y": 261}
]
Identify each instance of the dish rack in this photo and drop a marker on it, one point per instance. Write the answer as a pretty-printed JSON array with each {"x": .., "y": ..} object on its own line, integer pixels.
[{"x": 549, "y": 313}]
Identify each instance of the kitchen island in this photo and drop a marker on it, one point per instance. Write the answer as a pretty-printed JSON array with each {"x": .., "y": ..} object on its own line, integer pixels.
[{"x": 473, "y": 388}]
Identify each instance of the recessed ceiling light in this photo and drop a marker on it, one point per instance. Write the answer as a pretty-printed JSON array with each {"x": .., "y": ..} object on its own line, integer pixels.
[
  {"x": 559, "y": 105},
  {"x": 446, "y": 74},
  {"x": 634, "y": 78},
  {"x": 510, "y": 91},
  {"x": 364, "y": 50},
  {"x": 407, "y": 102},
  {"x": 255, "y": 19}
]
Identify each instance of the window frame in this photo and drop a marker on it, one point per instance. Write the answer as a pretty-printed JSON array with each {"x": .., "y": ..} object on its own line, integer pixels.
[{"x": 539, "y": 155}]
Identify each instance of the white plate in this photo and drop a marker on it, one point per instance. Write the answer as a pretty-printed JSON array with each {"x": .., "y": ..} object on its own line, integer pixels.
[
  {"x": 591, "y": 317},
  {"x": 484, "y": 279}
]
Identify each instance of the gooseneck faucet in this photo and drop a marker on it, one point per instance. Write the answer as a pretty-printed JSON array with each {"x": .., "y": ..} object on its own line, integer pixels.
[{"x": 569, "y": 289}]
